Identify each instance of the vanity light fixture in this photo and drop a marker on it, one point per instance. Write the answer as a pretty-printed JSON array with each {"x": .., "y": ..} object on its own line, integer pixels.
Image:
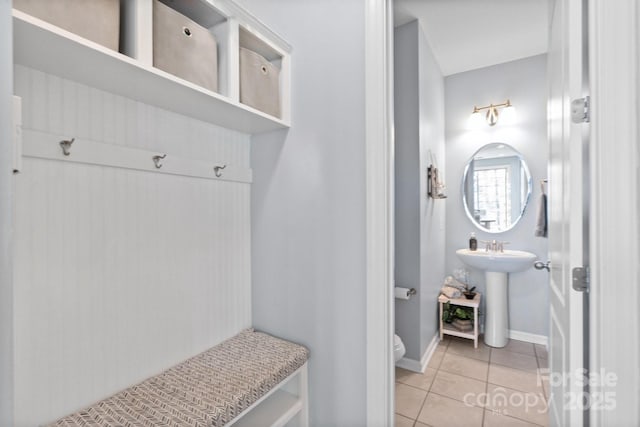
[{"x": 492, "y": 112}]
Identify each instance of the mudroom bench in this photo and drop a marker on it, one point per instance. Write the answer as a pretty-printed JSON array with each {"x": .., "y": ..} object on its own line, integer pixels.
[{"x": 251, "y": 379}]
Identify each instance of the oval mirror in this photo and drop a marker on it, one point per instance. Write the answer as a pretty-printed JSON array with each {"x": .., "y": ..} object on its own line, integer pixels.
[{"x": 496, "y": 186}]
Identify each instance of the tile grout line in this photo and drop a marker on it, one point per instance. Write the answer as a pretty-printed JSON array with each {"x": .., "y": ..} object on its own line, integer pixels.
[
  {"x": 517, "y": 369},
  {"x": 490, "y": 362},
  {"x": 431, "y": 385},
  {"x": 521, "y": 391},
  {"x": 485, "y": 382},
  {"x": 453, "y": 398},
  {"x": 519, "y": 419},
  {"x": 420, "y": 410},
  {"x": 486, "y": 388},
  {"x": 544, "y": 391},
  {"x": 514, "y": 389}
]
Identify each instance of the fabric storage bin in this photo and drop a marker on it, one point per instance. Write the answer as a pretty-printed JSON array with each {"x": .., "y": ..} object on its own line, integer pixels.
[
  {"x": 259, "y": 83},
  {"x": 183, "y": 48},
  {"x": 95, "y": 20}
]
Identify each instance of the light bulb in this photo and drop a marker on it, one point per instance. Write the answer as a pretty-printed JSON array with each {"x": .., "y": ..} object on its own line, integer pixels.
[
  {"x": 508, "y": 115},
  {"x": 475, "y": 121}
]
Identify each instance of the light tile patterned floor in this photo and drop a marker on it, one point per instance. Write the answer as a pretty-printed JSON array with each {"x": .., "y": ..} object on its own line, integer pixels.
[{"x": 483, "y": 387}]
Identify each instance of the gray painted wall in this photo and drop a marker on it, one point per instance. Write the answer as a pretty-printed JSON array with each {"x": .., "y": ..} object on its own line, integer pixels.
[
  {"x": 308, "y": 205},
  {"x": 524, "y": 83},
  {"x": 419, "y": 221}
]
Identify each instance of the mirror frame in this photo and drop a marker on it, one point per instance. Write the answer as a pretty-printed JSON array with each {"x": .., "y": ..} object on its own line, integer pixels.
[{"x": 526, "y": 201}]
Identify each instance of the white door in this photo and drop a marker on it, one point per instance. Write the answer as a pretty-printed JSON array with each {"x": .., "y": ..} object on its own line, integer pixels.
[{"x": 567, "y": 197}]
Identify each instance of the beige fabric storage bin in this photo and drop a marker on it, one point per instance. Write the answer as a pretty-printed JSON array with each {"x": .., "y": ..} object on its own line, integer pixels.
[
  {"x": 95, "y": 20},
  {"x": 259, "y": 83},
  {"x": 183, "y": 48}
]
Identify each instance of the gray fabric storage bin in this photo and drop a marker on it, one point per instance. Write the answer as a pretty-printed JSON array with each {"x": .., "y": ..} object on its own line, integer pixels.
[
  {"x": 183, "y": 48},
  {"x": 259, "y": 83},
  {"x": 95, "y": 20}
]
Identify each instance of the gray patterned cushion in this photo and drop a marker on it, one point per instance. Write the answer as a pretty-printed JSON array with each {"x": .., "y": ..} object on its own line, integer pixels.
[{"x": 209, "y": 389}]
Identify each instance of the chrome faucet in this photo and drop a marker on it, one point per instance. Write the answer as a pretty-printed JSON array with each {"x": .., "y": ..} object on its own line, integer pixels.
[{"x": 494, "y": 245}]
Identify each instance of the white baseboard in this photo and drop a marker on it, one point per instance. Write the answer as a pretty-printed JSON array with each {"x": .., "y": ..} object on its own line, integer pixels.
[
  {"x": 420, "y": 366},
  {"x": 527, "y": 337},
  {"x": 409, "y": 364},
  {"x": 524, "y": 336}
]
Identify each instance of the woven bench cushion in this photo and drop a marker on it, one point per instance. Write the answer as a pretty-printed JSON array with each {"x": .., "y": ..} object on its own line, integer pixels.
[{"x": 209, "y": 389}]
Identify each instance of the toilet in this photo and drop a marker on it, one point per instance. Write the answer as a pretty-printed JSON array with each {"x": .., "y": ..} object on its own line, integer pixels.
[{"x": 398, "y": 348}]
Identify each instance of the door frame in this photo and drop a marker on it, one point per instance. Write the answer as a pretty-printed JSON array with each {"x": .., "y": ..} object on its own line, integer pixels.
[
  {"x": 6, "y": 213},
  {"x": 379, "y": 215},
  {"x": 615, "y": 121},
  {"x": 614, "y": 54}
]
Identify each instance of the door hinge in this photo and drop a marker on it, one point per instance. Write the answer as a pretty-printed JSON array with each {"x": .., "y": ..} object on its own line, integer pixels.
[
  {"x": 580, "y": 278},
  {"x": 581, "y": 110}
]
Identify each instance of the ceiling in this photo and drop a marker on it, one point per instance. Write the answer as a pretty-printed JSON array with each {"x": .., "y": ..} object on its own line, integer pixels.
[{"x": 469, "y": 34}]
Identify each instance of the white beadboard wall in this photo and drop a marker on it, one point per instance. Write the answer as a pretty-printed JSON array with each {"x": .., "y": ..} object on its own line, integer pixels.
[{"x": 120, "y": 273}]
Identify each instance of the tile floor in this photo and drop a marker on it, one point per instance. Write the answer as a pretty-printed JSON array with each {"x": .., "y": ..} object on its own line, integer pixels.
[{"x": 463, "y": 386}]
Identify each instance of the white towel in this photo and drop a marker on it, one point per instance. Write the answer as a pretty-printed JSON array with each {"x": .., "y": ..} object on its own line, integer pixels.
[
  {"x": 450, "y": 292},
  {"x": 453, "y": 283},
  {"x": 541, "y": 221}
]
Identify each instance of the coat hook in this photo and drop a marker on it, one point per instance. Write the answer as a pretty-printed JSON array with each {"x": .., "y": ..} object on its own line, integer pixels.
[
  {"x": 158, "y": 160},
  {"x": 66, "y": 146},
  {"x": 218, "y": 169}
]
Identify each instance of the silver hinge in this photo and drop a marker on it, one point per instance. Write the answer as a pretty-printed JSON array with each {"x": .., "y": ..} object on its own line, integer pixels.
[
  {"x": 580, "y": 278},
  {"x": 580, "y": 110}
]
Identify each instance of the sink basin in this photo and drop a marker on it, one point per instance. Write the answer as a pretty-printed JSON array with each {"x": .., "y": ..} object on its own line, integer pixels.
[{"x": 500, "y": 262}]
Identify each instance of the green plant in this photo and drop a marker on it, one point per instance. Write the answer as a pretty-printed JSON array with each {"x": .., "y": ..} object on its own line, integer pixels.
[{"x": 450, "y": 312}]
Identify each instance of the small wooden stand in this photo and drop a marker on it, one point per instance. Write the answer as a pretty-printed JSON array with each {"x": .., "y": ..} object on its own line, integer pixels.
[{"x": 463, "y": 302}]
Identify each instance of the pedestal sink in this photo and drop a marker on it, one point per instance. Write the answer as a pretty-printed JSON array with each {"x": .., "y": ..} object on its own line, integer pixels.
[{"x": 496, "y": 266}]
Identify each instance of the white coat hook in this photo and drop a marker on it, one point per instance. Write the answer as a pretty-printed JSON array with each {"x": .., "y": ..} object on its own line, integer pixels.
[
  {"x": 157, "y": 160},
  {"x": 66, "y": 146},
  {"x": 218, "y": 170}
]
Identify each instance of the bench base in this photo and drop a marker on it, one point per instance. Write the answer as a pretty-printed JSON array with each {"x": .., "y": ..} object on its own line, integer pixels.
[
  {"x": 285, "y": 405},
  {"x": 250, "y": 379}
]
